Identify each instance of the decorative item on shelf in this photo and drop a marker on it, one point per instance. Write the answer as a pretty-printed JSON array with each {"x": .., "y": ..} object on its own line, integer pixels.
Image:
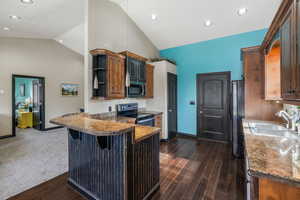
[
  {"x": 68, "y": 89},
  {"x": 96, "y": 83},
  {"x": 127, "y": 82}
]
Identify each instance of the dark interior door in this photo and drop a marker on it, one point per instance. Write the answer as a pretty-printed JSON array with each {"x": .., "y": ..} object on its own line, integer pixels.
[
  {"x": 213, "y": 117},
  {"x": 172, "y": 105},
  {"x": 38, "y": 105}
]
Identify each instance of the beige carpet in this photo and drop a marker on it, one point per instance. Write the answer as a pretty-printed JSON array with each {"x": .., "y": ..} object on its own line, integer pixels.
[{"x": 31, "y": 158}]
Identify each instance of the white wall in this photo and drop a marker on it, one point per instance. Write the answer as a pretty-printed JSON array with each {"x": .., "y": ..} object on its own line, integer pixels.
[
  {"x": 39, "y": 57},
  {"x": 73, "y": 38},
  {"x": 160, "y": 100},
  {"x": 109, "y": 27}
]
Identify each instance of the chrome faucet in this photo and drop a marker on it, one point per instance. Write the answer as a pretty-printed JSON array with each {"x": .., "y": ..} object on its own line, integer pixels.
[{"x": 290, "y": 119}]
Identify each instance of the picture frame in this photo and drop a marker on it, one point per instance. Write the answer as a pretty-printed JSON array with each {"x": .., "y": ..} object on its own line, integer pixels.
[{"x": 69, "y": 89}]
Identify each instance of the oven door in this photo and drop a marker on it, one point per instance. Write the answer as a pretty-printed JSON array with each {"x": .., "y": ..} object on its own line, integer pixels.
[
  {"x": 136, "y": 90},
  {"x": 146, "y": 121}
]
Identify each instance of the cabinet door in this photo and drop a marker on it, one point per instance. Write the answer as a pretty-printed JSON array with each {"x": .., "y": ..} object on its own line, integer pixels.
[
  {"x": 297, "y": 26},
  {"x": 116, "y": 78},
  {"x": 287, "y": 68},
  {"x": 132, "y": 67},
  {"x": 149, "y": 81},
  {"x": 142, "y": 71}
]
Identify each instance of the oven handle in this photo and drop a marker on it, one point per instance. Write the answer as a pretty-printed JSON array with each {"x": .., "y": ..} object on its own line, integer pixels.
[{"x": 146, "y": 120}]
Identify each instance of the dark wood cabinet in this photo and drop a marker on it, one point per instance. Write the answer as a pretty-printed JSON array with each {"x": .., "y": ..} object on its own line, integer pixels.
[
  {"x": 297, "y": 54},
  {"x": 136, "y": 66},
  {"x": 136, "y": 69},
  {"x": 158, "y": 123},
  {"x": 149, "y": 81},
  {"x": 116, "y": 77},
  {"x": 256, "y": 107},
  {"x": 108, "y": 74},
  {"x": 287, "y": 56}
]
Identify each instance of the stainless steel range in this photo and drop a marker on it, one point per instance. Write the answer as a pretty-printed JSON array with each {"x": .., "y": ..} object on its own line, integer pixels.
[{"x": 132, "y": 110}]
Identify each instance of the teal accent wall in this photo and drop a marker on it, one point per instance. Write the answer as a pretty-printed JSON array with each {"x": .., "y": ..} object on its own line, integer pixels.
[
  {"x": 222, "y": 54},
  {"x": 28, "y": 89}
]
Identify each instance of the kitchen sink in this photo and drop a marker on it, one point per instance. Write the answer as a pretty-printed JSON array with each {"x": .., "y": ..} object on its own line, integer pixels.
[{"x": 269, "y": 129}]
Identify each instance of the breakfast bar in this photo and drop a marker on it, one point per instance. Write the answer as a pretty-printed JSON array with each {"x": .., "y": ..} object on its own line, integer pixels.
[{"x": 110, "y": 159}]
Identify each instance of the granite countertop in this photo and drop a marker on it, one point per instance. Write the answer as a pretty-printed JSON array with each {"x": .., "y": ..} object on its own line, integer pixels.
[
  {"x": 91, "y": 124},
  {"x": 270, "y": 155},
  {"x": 113, "y": 117}
]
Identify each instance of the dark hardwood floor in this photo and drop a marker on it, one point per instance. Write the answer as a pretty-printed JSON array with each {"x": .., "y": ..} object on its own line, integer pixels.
[{"x": 190, "y": 169}]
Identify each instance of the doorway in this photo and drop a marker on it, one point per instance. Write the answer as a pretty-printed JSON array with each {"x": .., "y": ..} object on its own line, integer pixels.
[
  {"x": 28, "y": 102},
  {"x": 172, "y": 105},
  {"x": 213, "y": 114}
]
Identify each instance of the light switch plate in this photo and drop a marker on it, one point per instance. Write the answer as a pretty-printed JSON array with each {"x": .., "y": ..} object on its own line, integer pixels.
[{"x": 1, "y": 91}]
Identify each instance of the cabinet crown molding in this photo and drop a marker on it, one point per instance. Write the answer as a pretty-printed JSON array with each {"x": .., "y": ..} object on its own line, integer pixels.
[
  {"x": 133, "y": 55},
  {"x": 95, "y": 52}
]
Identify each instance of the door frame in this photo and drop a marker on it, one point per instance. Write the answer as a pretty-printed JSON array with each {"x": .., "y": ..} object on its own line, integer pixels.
[
  {"x": 228, "y": 75},
  {"x": 13, "y": 102}
]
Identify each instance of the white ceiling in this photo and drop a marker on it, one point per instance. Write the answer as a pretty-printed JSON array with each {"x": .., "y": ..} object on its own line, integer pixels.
[
  {"x": 181, "y": 22},
  {"x": 43, "y": 19},
  {"x": 73, "y": 39}
]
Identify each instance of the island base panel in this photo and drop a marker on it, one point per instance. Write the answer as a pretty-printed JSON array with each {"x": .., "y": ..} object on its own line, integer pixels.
[{"x": 113, "y": 167}]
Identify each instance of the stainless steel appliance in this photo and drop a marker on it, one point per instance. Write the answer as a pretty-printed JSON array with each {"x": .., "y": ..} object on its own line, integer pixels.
[
  {"x": 131, "y": 110},
  {"x": 237, "y": 116},
  {"x": 136, "y": 90}
]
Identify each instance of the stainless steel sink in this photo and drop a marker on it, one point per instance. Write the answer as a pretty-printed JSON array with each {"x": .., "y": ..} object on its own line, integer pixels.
[
  {"x": 268, "y": 129},
  {"x": 286, "y": 139}
]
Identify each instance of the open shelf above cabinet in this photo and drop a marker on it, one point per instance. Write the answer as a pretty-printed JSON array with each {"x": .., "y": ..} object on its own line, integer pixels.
[
  {"x": 108, "y": 80},
  {"x": 272, "y": 72}
]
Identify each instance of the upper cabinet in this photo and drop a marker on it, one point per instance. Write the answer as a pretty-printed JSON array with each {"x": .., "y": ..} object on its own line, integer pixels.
[
  {"x": 282, "y": 54},
  {"x": 272, "y": 86},
  {"x": 287, "y": 57},
  {"x": 115, "y": 73},
  {"x": 297, "y": 42},
  {"x": 108, "y": 74},
  {"x": 136, "y": 67}
]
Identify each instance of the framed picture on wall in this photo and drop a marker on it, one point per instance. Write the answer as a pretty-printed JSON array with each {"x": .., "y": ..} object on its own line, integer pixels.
[
  {"x": 22, "y": 90},
  {"x": 69, "y": 89}
]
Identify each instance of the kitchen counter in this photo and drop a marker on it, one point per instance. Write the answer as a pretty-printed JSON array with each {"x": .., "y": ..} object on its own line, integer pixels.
[
  {"x": 113, "y": 117},
  {"x": 105, "y": 125},
  {"x": 270, "y": 155},
  {"x": 107, "y": 151}
]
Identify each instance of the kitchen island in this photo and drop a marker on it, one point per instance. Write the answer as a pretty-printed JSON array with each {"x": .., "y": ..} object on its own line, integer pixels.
[{"x": 111, "y": 160}]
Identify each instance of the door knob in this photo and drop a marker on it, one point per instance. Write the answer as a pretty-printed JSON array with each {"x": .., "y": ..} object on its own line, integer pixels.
[
  {"x": 200, "y": 111},
  {"x": 170, "y": 110}
]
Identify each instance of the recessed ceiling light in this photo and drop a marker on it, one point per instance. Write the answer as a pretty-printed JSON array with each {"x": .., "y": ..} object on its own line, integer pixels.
[
  {"x": 242, "y": 11},
  {"x": 27, "y": 1},
  {"x": 60, "y": 41},
  {"x": 208, "y": 23},
  {"x": 6, "y": 28},
  {"x": 154, "y": 17},
  {"x": 14, "y": 17}
]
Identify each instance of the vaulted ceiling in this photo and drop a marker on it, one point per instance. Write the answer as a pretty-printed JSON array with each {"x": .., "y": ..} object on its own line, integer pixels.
[
  {"x": 182, "y": 22},
  {"x": 46, "y": 19},
  {"x": 178, "y": 22}
]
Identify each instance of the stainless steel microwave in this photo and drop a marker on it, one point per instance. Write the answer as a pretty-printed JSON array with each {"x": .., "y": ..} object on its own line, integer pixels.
[{"x": 136, "y": 90}]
